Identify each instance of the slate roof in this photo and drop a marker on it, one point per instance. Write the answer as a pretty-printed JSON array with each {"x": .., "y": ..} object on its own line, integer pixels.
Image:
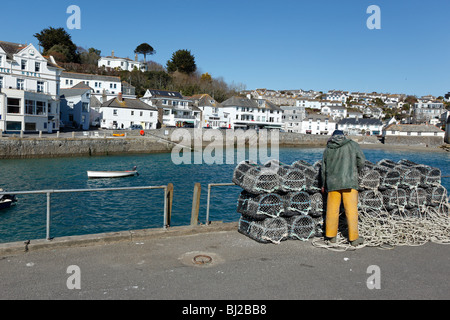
[
  {"x": 356, "y": 121},
  {"x": 76, "y": 90},
  {"x": 413, "y": 128},
  {"x": 239, "y": 102},
  {"x": 128, "y": 103}
]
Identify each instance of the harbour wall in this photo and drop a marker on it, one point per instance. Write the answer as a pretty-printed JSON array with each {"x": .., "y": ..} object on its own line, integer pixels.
[{"x": 154, "y": 141}]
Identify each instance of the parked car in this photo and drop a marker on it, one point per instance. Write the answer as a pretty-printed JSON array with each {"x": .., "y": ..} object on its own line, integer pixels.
[{"x": 135, "y": 127}]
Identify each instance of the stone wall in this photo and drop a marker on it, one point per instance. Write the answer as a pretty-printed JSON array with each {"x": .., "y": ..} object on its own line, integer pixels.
[{"x": 414, "y": 141}]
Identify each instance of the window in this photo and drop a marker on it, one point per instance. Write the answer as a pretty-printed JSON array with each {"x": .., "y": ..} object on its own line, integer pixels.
[
  {"x": 37, "y": 66},
  {"x": 132, "y": 112},
  {"x": 13, "y": 105},
  {"x": 141, "y": 113},
  {"x": 23, "y": 65},
  {"x": 115, "y": 112},
  {"x": 20, "y": 84},
  {"x": 41, "y": 107},
  {"x": 30, "y": 126},
  {"x": 1, "y": 82},
  {"x": 13, "y": 125},
  {"x": 85, "y": 107},
  {"x": 30, "y": 107},
  {"x": 67, "y": 81},
  {"x": 1, "y": 59},
  {"x": 40, "y": 86}
]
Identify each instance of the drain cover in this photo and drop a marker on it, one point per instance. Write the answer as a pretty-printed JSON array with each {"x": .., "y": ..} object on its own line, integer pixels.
[{"x": 202, "y": 259}]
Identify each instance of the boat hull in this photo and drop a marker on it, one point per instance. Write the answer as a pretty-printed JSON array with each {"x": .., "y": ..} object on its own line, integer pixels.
[
  {"x": 110, "y": 174},
  {"x": 5, "y": 204}
]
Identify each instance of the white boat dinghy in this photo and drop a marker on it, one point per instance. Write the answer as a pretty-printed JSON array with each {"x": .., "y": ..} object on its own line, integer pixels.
[{"x": 112, "y": 174}]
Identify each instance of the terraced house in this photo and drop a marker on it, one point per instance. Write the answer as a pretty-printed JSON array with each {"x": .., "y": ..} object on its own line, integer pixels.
[{"x": 29, "y": 89}]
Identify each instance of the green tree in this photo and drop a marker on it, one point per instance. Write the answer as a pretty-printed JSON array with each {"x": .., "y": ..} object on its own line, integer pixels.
[
  {"x": 182, "y": 61},
  {"x": 90, "y": 57},
  {"x": 51, "y": 37},
  {"x": 145, "y": 49}
]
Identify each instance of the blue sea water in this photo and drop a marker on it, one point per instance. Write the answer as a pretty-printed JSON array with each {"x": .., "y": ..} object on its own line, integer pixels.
[{"x": 97, "y": 212}]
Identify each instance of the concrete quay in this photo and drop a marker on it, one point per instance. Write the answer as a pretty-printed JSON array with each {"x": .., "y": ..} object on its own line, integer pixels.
[{"x": 216, "y": 262}]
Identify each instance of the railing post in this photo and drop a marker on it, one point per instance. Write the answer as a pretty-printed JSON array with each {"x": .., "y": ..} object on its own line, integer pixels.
[
  {"x": 48, "y": 215},
  {"x": 168, "y": 204},
  {"x": 195, "y": 204},
  {"x": 207, "y": 204}
]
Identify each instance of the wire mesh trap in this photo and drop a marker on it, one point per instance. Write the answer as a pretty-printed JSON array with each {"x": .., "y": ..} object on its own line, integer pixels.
[
  {"x": 256, "y": 179},
  {"x": 301, "y": 227},
  {"x": 297, "y": 202},
  {"x": 260, "y": 207},
  {"x": 270, "y": 230}
]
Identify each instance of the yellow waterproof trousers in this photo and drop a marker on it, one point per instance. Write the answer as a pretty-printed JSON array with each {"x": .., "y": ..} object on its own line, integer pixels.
[{"x": 350, "y": 199}]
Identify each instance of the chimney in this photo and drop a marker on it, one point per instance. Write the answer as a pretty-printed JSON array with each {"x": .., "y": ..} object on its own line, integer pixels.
[
  {"x": 119, "y": 97},
  {"x": 136, "y": 57},
  {"x": 112, "y": 54}
]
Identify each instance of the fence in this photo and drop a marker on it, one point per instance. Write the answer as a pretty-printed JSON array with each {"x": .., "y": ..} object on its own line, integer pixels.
[
  {"x": 168, "y": 196},
  {"x": 168, "y": 200}
]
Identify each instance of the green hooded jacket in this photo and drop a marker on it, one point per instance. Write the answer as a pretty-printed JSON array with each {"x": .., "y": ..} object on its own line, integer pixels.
[{"x": 342, "y": 160}]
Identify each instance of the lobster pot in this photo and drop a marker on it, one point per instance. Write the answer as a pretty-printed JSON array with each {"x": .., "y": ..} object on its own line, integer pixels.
[
  {"x": 317, "y": 165},
  {"x": 317, "y": 205},
  {"x": 298, "y": 202},
  {"x": 370, "y": 200},
  {"x": 268, "y": 230},
  {"x": 429, "y": 176},
  {"x": 387, "y": 163},
  {"x": 390, "y": 179},
  {"x": 292, "y": 180},
  {"x": 369, "y": 179},
  {"x": 301, "y": 227},
  {"x": 394, "y": 198},
  {"x": 241, "y": 169},
  {"x": 319, "y": 228},
  {"x": 410, "y": 178},
  {"x": 312, "y": 179},
  {"x": 242, "y": 204},
  {"x": 407, "y": 163},
  {"x": 436, "y": 195},
  {"x": 416, "y": 198},
  {"x": 260, "y": 180},
  {"x": 260, "y": 207},
  {"x": 399, "y": 214}
]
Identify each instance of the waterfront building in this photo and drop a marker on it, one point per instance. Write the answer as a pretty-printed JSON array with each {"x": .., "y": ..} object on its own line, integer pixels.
[
  {"x": 212, "y": 114},
  {"x": 318, "y": 124},
  {"x": 122, "y": 113},
  {"x": 103, "y": 87},
  {"x": 174, "y": 110},
  {"x": 413, "y": 130},
  {"x": 244, "y": 113},
  {"x": 118, "y": 63},
  {"x": 29, "y": 89},
  {"x": 75, "y": 106},
  {"x": 360, "y": 126}
]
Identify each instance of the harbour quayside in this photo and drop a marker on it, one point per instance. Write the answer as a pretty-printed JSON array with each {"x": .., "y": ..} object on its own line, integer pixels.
[{"x": 112, "y": 174}]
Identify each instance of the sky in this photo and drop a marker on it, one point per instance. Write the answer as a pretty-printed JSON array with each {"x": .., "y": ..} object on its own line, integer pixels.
[{"x": 281, "y": 45}]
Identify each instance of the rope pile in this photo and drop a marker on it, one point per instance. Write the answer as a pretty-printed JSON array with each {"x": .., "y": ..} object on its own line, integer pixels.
[{"x": 400, "y": 204}]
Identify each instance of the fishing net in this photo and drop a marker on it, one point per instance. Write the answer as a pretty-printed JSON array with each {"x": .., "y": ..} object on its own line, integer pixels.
[
  {"x": 436, "y": 195},
  {"x": 370, "y": 200},
  {"x": 270, "y": 230},
  {"x": 301, "y": 227}
]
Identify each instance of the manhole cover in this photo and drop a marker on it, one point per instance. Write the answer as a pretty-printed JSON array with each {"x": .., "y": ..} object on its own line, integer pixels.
[{"x": 202, "y": 259}]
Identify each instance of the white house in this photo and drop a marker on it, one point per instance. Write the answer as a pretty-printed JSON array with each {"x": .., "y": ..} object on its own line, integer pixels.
[
  {"x": 121, "y": 113},
  {"x": 244, "y": 113},
  {"x": 357, "y": 126},
  {"x": 318, "y": 124},
  {"x": 336, "y": 112},
  {"x": 174, "y": 109},
  {"x": 425, "y": 111},
  {"x": 422, "y": 130},
  {"x": 29, "y": 89},
  {"x": 103, "y": 87},
  {"x": 75, "y": 106},
  {"x": 212, "y": 114},
  {"x": 122, "y": 63}
]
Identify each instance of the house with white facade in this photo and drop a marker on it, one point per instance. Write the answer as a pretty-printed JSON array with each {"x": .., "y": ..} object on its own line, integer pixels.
[
  {"x": 122, "y": 113},
  {"x": 336, "y": 112},
  {"x": 244, "y": 113},
  {"x": 29, "y": 89},
  {"x": 212, "y": 114},
  {"x": 359, "y": 126},
  {"x": 75, "y": 106},
  {"x": 413, "y": 130},
  {"x": 118, "y": 63},
  {"x": 103, "y": 87},
  {"x": 318, "y": 124},
  {"x": 174, "y": 109},
  {"x": 425, "y": 111}
]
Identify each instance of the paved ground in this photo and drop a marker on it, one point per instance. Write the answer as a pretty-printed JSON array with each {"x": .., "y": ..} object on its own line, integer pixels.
[{"x": 240, "y": 269}]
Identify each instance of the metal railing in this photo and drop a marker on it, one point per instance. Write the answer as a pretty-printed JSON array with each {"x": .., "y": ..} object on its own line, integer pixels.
[{"x": 168, "y": 193}]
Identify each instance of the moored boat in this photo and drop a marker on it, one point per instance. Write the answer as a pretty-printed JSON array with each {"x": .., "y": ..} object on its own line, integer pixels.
[
  {"x": 112, "y": 174},
  {"x": 7, "y": 200}
]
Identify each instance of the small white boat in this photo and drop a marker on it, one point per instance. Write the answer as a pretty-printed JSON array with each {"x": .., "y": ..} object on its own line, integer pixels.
[
  {"x": 7, "y": 200},
  {"x": 112, "y": 174}
]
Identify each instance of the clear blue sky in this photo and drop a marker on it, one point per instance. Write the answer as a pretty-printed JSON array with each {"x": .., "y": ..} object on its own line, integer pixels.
[{"x": 295, "y": 44}]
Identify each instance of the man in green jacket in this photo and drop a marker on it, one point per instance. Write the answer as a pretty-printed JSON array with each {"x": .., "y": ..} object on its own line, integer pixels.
[{"x": 342, "y": 160}]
